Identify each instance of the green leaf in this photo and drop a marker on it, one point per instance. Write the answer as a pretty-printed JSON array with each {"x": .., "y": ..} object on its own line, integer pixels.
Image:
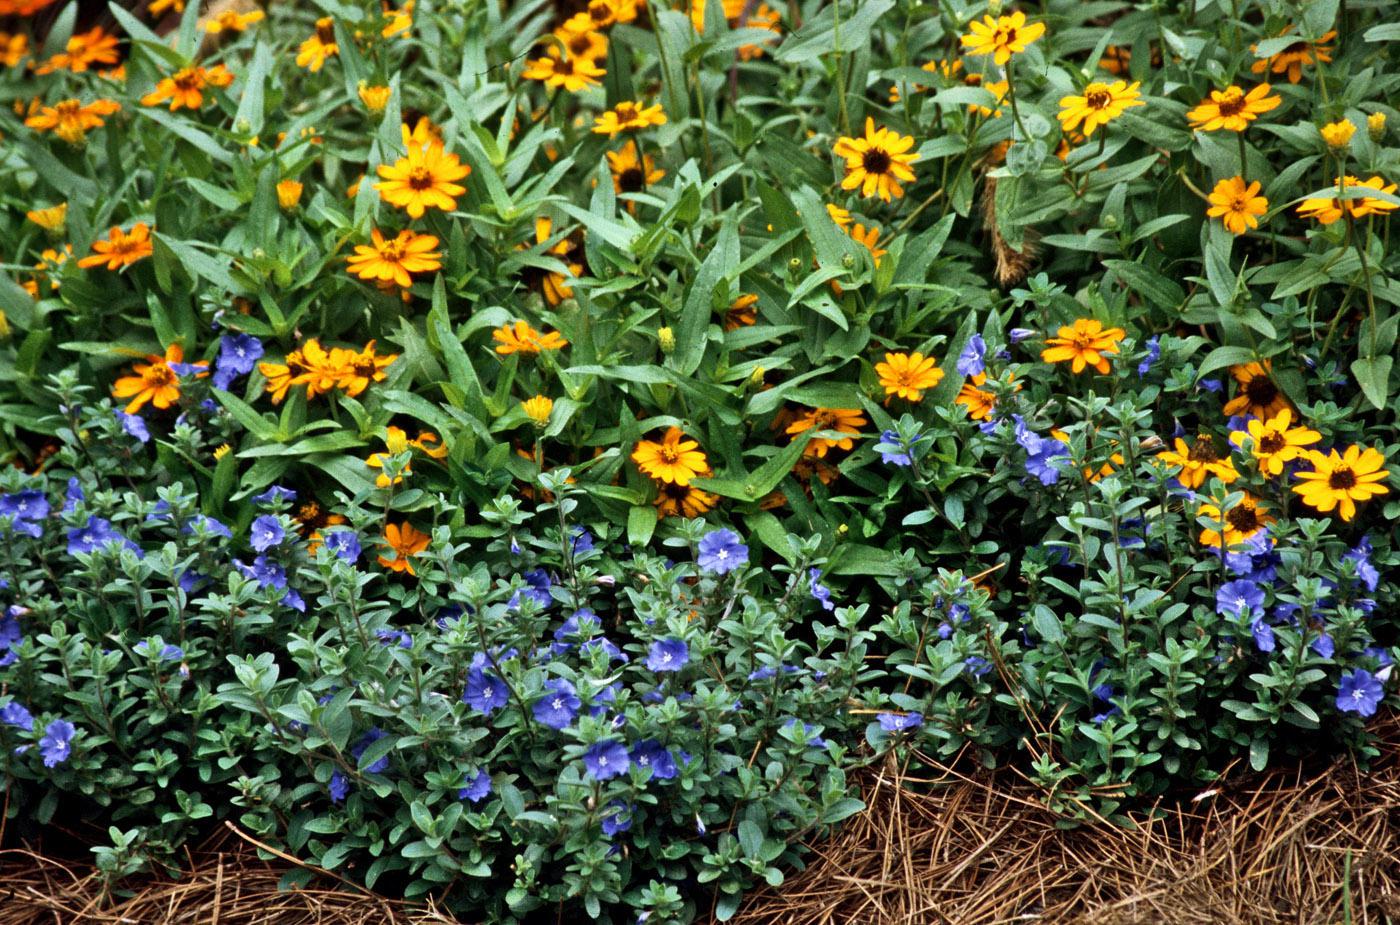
[
  {"x": 641, "y": 524},
  {"x": 1373, "y": 375},
  {"x": 1221, "y": 357},
  {"x": 696, "y": 312}
]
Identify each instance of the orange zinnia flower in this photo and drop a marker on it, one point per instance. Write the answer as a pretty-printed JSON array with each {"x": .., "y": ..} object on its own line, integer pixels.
[
  {"x": 1084, "y": 344},
  {"x": 155, "y": 381},
  {"x": 521, "y": 338},
  {"x": 185, "y": 88},
  {"x": 405, "y": 542},
  {"x": 70, "y": 119},
  {"x": 121, "y": 249},
  {"x": 391, "y": 261}
]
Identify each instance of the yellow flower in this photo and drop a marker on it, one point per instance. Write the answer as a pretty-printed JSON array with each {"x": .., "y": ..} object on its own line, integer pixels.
[
  {"x": 398, "y": 21},
  {"x": 521, "y": 338},
  {"x": 121, "y": 249},
  {"x": 1083, "y": 344},
  {"x": 674, "y": 500},
  {"x": 554, "y": 285},
  {"x": 998, "y": 89},
  {"x": 83, "y": 51},
  {"x": 538, "y": 409},
  {"x": 375, "y": 98},
  {"x": 185, "y": 88},
  {"x": 221, "y": 451},
  {"x": 158, "y": 7},
  {"x": 1200, "y": 461},
  {"x": 1337, "y": 134},
  {"x": 405, "y": 542},
  {"x": 842, "y": 420},
  {"x": 320, "y": 46},
  {"x": 288, "y": 194},
  {"x": 50, "y": 219},
  {"x": 1273, "y": 443},
  {"x": 741, "y": 312},
  {"x": 868, "y": 237},
  {"x": 425, "y": 178},
  {"x": 70, "y": 120},
  {"x": 1375, "y": 126},
  {"x": 232, "y": 21},
  {"x": 1236, "y": 524},
  {"x": 628, "y": 117},
  {"x": 1258, "y": 394},
  {"x": 1237, "y": 205},
  {"x": 1294, "y": 56},
  {"x": 631, "y": 175},
  {"x": 761, "y": 16},
  {"x": 395, "y": 443},
  {"x": 154, "y": 381},
  {"x": 1341, "y": 480},
  {"x": 581, "y": 38},
  {"x": 1328, "y": 210},
  {"x": 838, "y": 215},
  {"x": 354, "y": 371},
  {"x": 876, "y": 163},
  {"x": 908, "y": 375},
  {"x": 1100, "y": 104},
  {"x": 1232, "y": 109},
  {"x": 1001, "y": 36},
  {"x": 674, "y": 459},
  {"x": 393, "y": 261},
  {"x": 562, "y": 71},
  {"x": 13, "y": 49}
]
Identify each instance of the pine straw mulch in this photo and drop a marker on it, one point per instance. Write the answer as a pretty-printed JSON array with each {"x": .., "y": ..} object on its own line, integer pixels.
[
  {"x": 1290, "y": 846},
  {"x": 1296, "y": 846}
]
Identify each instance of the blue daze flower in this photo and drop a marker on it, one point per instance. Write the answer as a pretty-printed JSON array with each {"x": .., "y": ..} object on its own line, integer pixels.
[
  {"x": 583, "y": 541},
  {"x": 721, "y": 552},
  {"x": 668, "y": 655},
  {"x": 820, "y": 592},
  {"x": 477, "y": 788},
  {"x": 238, "y": 354},
  {"x": 73, "y": 495},
  {"x": 1016, "y": 335},
  {"x": 559, "y": 705},
  {"x": 1263, "y": 635},
  {"x": 1043, "y": 454},
  {"x": 202, "y": 523},
  {"x": 15, "y": 714},
  {"x": 168, "y": 652},
  {"x": 808, "y": 732},
  {"x": 972, "y": 360},
  {"x": 379, "y": 765},
  {"x": 485, "y": 692},
  {"x": 392, "y": 637},
  {"x": 537, "y": 585},
  {"x": 1361, "y": 555},
  {"x": 11, "y": 635},
  {"x": 344, "y": 543},
  {"x": 95, "y": 535},
  {"x": 893, "y": 452},
  {"x": 134, "y": 426},
  {"x": 339, "y": 787},
  {"x": 57, "y": 744},
  {"x": 26, "y": 506},
  {"x": 976, "y": 665},
  {"x": 266, "y": 573},
  {"x": 651, "y": 755},
  {"x": 895, "y": 723},
  {"x": 606, "y": 759},
  {"x": 1154, "y": 353},
  {"x": 275, "y": 495},
  {"x": 266, "y": 532},
  {"x": 617, "y": 818},
  {"x": 1324, "y": 645},
  {"x": 1359, "y": 692},
  {"x": 607, "y": 646},
  {"x": 1237, "y": 598}
]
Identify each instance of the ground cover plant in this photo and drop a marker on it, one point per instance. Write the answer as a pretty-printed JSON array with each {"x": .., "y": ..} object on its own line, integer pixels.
[{"x": 529, "y": 453}]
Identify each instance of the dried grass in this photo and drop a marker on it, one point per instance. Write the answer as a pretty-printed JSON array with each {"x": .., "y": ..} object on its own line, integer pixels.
[
  {"x": 947, "y": 849},
  {"x": 1282, "y": 847}
]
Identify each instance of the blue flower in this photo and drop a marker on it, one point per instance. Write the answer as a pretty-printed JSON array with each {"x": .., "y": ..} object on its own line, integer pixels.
[
  {"x": 971, "y": 361},
  {"x": 1154, "y": 353},
  {"x": 808, "y": 732},
  {"x": 820, "y": 592},
  {"x": 651, "y": 754},
  {"x": 28, "y": 505},
  {"x": 379, "y": 765},
  {"x": 537, "y": 589},
  {"x": 73, "y": 495},
  {"x": 14, "y": 714},
  {"x": 10, "y": 636},
  {"x": 275, "y": 495},
  {"x": 168, "y": 652},
  {"x": 477, "y": 787},
  {"x": 266, "y": 573},
  {"x": 134, "y": 426},
  {"x": 57, "y": 744},
  {"x": 1017, "y": 335},
  {"x": 388, "y": 636},
  {"x": 721, "y": 551},
  {"x": 607, "y": 646},
  {"x": 95, "y": 535},
  {"x": 583, "y": 541},
  {"x": 266, "y": 532},
  {"x": 1359, "y": 692},
  {"x": 892, "y": 450},
  {"x": 617, "y": 818},
  {"x": 976, "y": 665},
  {"x": 1263, "y": 635},
  {"x": 1237, "y": 598},
  {"x": 1324, "y": 645},
  {"x": 1211, "y": 385},
  {"x": 1365, "y": 571},
  {"x": 201, "y": 523},
  {"x": 344, "y": 543},
  {"x": 339, "y": 787},
  {"x": 559, "y": 705},
  {"x": 900, "y": 722},
  {"x": 485, "y": 692},
  {"x": 668, "y": 655},
  {"x": 583, "y": 624},
  {"x": 606, "y": 759},
  {"x": 238, "y": 354}
]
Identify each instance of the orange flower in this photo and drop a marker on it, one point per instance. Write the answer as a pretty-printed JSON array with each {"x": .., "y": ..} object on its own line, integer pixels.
[
  {"x": 13, "y": 49},
  {"x": 1290, "y": 61},
  {"x": 842, "y": 420},
  {"x": 70, "y": 119},
  {"x": 155, "y": 381},
  {"x": 405, "y": 542},
  {"x": 185, "y": 88},
  {"x": 566, "y": 72},
  {"x": 1232, "y": 109},
  {"x": 1084, "y": 344},
  {"x": 82, "y": 52},
  {"x": 741, "y": 312},
  {"x": 121, "y": 249},
  {"x": 314, "y": 51},
  {"x": 521, "y": 338},
  {"x": 391, "y": 261},
  {"x": 425, "y": 178},
  {"x": 908, "y": 375}
]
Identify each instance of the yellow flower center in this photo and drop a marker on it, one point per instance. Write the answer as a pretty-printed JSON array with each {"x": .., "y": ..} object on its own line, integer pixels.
[{"x": 391, "y": 251}]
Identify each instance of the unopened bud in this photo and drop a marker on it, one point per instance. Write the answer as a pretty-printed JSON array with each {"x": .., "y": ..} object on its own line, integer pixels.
[
  {"x": 666, "y": 338},
  {"x": 1375, "y": 126}
]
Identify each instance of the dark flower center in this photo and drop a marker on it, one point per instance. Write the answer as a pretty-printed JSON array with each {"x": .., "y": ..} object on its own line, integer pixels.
[
  {"x": 1297, "y": 48},
  {"x": 875, "y": 161},
  {"x": 1342, "y": 480},
  {"x": 1261, "y": 391},
  {"x": 1271, "y": 443},
  {"x": 419, "y": 178},
  {"x": 632, "y": 180},
  {"x": 1243, "y": 518},
  {"x": 1232, "y": 106},
  {"x": 1098, "y": 99},
  {"x": 1203, "y": 451},
  {"x": 160, "y": 375}
]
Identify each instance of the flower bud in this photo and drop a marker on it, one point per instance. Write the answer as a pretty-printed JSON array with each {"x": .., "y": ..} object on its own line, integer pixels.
[
  {"x": 794, "y": 264},
  {"x": 1338, "y": 134},
  {"x": 666, "y": 338},
  {"x": 1375, "y": 126},
  {"x": 374, "y": 98},
  {"x": 848, "y": 261},
  {"x": 538, "y": 410},
  {"x": 288, "y": 194}
]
